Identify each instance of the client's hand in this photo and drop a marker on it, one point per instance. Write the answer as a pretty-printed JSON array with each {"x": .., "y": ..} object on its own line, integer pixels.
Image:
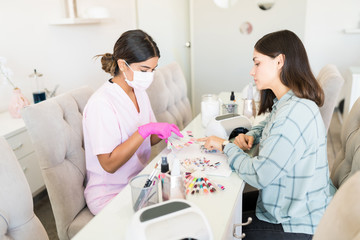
[
  {"x": 162, "y": 129},
  {"x": 245, "y": 142},
  {"x": 212, "y": 142}
]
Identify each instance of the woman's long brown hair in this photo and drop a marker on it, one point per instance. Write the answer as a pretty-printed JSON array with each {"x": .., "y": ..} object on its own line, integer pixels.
[{"x": 296, "y": 72}]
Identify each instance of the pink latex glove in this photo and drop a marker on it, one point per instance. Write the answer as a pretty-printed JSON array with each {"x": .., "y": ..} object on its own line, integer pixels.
[{"x": 162, "y": 129}]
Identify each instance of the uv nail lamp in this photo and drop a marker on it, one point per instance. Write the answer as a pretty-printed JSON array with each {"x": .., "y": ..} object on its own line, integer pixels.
[
  {"x": 221, "y": 126},
  {"x": 173, "y": 219}
]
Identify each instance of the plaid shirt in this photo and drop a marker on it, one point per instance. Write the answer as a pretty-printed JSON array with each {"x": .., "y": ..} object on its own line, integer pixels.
[{"x": 291, "y": 170}]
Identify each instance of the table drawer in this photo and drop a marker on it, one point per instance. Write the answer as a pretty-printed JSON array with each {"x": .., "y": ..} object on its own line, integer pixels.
[
  {"x": 21, "y": 144},
  {"x": 31, "y": 169}
]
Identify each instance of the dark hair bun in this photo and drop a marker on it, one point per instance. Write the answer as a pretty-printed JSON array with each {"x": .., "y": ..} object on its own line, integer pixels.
[{"x": 108, "y": 63}]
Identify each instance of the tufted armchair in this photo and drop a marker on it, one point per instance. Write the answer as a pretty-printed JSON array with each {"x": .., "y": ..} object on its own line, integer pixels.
[
  {"x": 168, "y": 97},
  {"x": 55, "y": 128},
  {"x": 347, "y": 160},
  {"x": 341, "y": 219},
  {"x": 331, "y": 82},
  {"x": 17, "y": 218}
]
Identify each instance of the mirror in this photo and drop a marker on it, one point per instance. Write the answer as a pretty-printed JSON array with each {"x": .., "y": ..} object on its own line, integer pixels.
[
  {"x": 225, "y": 3},
  {"x": 265, "y": 4}
]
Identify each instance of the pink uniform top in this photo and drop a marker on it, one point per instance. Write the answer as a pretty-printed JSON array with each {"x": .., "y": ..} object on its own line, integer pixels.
[{"x": 109, "y": 119}]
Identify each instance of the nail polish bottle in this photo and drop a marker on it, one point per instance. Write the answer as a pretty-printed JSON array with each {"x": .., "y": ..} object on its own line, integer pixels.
[{"x": 163, "y": 171}]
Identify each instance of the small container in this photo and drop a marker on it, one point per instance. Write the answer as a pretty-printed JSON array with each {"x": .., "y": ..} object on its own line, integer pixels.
[
  {"x": 164, "y": 165},
  {"x": 143, "y": 196},
  {"x": 17, "y": 102},
  {"x": 164, "y": 171},
  {"x": 249, "y": 109},
  {"x": 210, "y": 108},
  {"x": 229, "y": 108},
  {"x": 232, "y": 96},
  {"x": 39, "y": 95},
  {"x": 174, "y": 186}
]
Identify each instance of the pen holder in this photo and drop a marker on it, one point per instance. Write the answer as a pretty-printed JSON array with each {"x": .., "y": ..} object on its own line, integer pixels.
[
  {"x": 173, "y": 187},
  {"x": 143, "y": 196}
]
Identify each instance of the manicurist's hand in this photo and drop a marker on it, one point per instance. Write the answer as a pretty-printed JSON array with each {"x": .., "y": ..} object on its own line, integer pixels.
[
  {"x": 161, "y": 129},
  {"x": 245, "y": 142},
  {"x": 212, "y": 142}
]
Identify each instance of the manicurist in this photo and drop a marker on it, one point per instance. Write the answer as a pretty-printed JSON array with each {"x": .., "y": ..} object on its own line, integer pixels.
[{"x": 118, "y": 122}]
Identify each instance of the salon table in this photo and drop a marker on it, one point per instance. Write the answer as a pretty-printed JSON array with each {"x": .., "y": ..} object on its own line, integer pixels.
[{"x": 222, "y": 209}]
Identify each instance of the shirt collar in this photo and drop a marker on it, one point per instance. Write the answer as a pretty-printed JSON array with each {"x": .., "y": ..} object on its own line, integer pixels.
[{"x": 283, "y": 99}]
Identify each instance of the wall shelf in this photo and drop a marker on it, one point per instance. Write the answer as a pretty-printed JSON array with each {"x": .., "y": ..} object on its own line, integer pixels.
[
  {"x": 79, "y": 21},
  {"x": 352, "y": 30}
]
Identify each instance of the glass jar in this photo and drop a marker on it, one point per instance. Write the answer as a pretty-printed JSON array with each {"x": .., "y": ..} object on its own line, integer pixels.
[{"x": 210, "y": 108}]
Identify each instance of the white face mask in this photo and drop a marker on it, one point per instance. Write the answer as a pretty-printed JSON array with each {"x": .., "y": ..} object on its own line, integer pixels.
[{"x": 141, "y": 80}]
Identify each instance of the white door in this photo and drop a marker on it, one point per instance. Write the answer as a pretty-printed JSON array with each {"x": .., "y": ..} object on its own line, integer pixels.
[
  {"x": 221, "y": 54},
  {"x": 167, "y": 22}
]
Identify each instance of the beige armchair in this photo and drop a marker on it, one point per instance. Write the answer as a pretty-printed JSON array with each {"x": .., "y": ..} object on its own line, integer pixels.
[
  {"x": 168, "y": 97},
  {"x": 347, "y": 160},
  {"x": 17, "y": 218},
  {"x": 331, "y": 82},
  {"x": 55, "y": 128},
  {"x": 341, "y": 219}
]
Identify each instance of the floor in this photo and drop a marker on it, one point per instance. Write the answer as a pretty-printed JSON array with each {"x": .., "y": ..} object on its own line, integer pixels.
[
  {"x": 43, "y": 211},
  {"x": 42, "y": 207}
]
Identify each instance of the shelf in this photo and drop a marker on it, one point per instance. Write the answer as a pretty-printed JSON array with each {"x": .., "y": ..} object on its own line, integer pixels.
[
  {"x": 78, "y": 21},
  {"x": 352, "y": 30}
]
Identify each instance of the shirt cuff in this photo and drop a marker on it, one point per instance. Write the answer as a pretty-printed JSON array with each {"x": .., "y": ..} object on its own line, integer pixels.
[
  {"x": 228, "y": 146},
  {"x": 253, "y": 134}
]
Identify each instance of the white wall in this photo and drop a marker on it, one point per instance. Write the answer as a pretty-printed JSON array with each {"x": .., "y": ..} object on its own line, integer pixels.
[
  {"x": 168, "y": 23},
  {"x": 222, "y": 56},
  {"x": 325, "y": 39},
  {"x": 64, "y": 54}
]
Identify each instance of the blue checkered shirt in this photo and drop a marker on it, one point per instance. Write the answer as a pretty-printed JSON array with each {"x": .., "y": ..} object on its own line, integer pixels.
[{"x": 291, "y": 170}]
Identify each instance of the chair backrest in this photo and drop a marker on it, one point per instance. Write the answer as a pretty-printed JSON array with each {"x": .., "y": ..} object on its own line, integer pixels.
[
  {"x": 168, "y": 97},
  {"x": 341, "y": 219},
  {"x": 347, "y": 160},
  {"x": 55, "y": 128},
  {"x": 331, "y": 82},
  {"x": 17, "y": 218}
]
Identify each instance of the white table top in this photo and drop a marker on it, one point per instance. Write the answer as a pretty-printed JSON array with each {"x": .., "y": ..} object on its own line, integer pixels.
[
  {"x": 9, "y": 125},
  {"x": 114, "y": 220}
]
